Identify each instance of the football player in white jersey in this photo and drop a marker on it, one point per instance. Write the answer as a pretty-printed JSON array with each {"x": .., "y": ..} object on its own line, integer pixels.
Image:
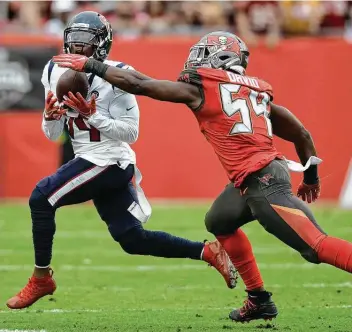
[{"x": 102, "y": 169}]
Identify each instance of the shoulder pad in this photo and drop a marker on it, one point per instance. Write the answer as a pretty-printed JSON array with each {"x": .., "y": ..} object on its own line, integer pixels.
[
  {"x": 50, "y": 69},
  {"x": 118, "y": 64},
  {"x": 191, "y": 76},
  {"x": 266, "y": 87},
  {"x": 45, "y": 75}
]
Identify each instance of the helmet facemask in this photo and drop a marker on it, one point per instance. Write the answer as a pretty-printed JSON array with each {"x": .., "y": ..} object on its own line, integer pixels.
[
  {"x": 89, "y": 32},
  {"x": 198, "y": 56},
  {"x": 86, "y": 36}
]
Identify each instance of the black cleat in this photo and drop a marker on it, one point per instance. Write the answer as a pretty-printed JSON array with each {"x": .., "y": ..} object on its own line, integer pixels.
[{"x": 255, "y": 308}]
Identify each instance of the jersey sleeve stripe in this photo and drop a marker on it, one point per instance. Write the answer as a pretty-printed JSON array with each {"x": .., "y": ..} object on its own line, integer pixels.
[
  {"x": 50, "y": 69},
  {"x": 122, "y": 66},
  {"x": 91, "y": 78}
]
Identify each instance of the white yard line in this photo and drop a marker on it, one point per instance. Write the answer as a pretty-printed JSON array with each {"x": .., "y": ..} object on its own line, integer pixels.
[
  {"x": 60, "y": 234},
  {"x": 152, "y": 268},
  {"x": 8, "y": 252},
  {"x": 89, "y": 250},
  {"x": 95, "y": 234},
  {"x": 176, "y": 267},
  {"x": 104, "y": 234},
  {"x": 2, "y": 330},
  {"x": 49, "y": 311},
  {"x": 118, "y": 289},
  {"x": 63, "y": 311},
  {"x": 156, "y": 268},
  {"x": 309, "y": 286},
  {"x": 324, "y": 285},
  {"x": 68, "y": 311}
]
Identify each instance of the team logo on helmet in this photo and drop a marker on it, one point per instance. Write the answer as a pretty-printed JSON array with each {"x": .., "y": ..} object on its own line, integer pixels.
[{"x": 222, "y": 42}]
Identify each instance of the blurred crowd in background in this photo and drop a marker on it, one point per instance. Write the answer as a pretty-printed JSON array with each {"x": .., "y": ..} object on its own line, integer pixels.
[{"x": 251, "y": 19}]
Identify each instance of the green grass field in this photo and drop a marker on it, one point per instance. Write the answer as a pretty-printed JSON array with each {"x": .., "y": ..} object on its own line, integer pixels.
[{"x": 100, "y": 288}]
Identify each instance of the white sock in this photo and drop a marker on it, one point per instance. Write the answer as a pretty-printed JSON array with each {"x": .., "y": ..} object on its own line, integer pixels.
[
  {"x": 201, "y": 254},
  {"x": 41, "y": 267}
]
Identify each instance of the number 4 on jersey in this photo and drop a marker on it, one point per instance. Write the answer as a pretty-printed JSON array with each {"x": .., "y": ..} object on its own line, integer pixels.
[
  {"x": 232, "y": 104},
  {"x": 94, "y": 134}
]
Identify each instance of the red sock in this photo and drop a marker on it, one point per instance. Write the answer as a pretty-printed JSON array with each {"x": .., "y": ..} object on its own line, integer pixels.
[
  {"x": 336, "y": 252},
  {"x": 240, "y": 252}
]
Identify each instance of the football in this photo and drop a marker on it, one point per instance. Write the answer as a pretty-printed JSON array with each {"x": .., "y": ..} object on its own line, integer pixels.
[{"x": 72, "y": 81}]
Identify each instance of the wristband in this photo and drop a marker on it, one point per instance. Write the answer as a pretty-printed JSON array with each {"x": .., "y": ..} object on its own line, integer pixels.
[
  {"x": 311, "y": 175},
  {"x": 96, "y": 67}
]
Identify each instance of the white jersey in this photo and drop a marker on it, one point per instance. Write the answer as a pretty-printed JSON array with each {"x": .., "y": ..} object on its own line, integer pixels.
[{"x": 104, "y": 138}]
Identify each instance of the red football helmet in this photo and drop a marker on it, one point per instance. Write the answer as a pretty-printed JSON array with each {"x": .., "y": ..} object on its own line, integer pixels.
[{"x": 219, "y": 50}]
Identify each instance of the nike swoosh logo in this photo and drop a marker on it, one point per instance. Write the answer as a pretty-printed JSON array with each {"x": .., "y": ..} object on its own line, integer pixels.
[{"x": 128, "y": 109}]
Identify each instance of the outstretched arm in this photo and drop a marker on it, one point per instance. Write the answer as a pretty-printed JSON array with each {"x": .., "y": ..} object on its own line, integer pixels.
[
  {"x": 134, "y": 82},
  {"x": 288, "y": 127}
]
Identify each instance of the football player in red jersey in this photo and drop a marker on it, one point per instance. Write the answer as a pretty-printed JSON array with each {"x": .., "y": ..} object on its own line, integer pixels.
[{"x": 237, "y": 115}]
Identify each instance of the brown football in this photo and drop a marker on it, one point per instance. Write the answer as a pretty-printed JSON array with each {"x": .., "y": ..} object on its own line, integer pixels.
[{"x": 72, "y": 81}]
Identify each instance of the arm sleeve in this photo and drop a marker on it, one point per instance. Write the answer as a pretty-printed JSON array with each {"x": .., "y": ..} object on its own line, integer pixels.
[
  {"x": 51, "y": 129},
  {"x": 191, "y": 76},
  {"x": 124, "y": 122}
]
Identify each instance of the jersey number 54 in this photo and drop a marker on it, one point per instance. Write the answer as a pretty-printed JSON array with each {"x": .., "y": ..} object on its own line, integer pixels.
[{"x": 255, "y": 103}]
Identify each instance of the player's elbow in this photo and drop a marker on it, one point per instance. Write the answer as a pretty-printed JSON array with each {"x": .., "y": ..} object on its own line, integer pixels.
[
  {"x": 132, "y": 135},
  {"x": 133, "y": 139},
  {"x": 52, "y": 137},
  {"x": 303, "y": 135}
]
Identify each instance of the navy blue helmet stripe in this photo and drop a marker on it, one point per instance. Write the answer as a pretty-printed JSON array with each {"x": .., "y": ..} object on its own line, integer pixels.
[{"x": 91, "y": 78}]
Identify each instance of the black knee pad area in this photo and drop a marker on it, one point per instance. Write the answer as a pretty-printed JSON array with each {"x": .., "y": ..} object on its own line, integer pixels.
[
  {"x": 131, "y": 241},
  {"x": 37, "y": 201},
  {"x": 311, "y": 256},
  {"x": 218, "y": 225}
]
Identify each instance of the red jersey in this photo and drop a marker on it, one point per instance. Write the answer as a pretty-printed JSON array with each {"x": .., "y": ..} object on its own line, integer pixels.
[{"x": 234, "y": 118}]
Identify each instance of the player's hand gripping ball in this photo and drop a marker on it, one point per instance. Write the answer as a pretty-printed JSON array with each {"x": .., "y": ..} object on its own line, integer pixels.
[
  {"x": 80, "y": 105},
  {"x": 309, "y": 192},
  {"x": 52, "y": 110},
  {"x": 76, "y": 62}
]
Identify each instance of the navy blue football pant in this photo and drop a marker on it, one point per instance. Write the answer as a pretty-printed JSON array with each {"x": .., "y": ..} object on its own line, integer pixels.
[{"x": 112, "y": 192}]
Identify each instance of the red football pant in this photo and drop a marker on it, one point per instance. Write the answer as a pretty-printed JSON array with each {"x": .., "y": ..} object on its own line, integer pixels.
[
  {"x": 240, "y": 252},
  {"x": 330, "y": 250},
  {"x": 336, "y": 252}
]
